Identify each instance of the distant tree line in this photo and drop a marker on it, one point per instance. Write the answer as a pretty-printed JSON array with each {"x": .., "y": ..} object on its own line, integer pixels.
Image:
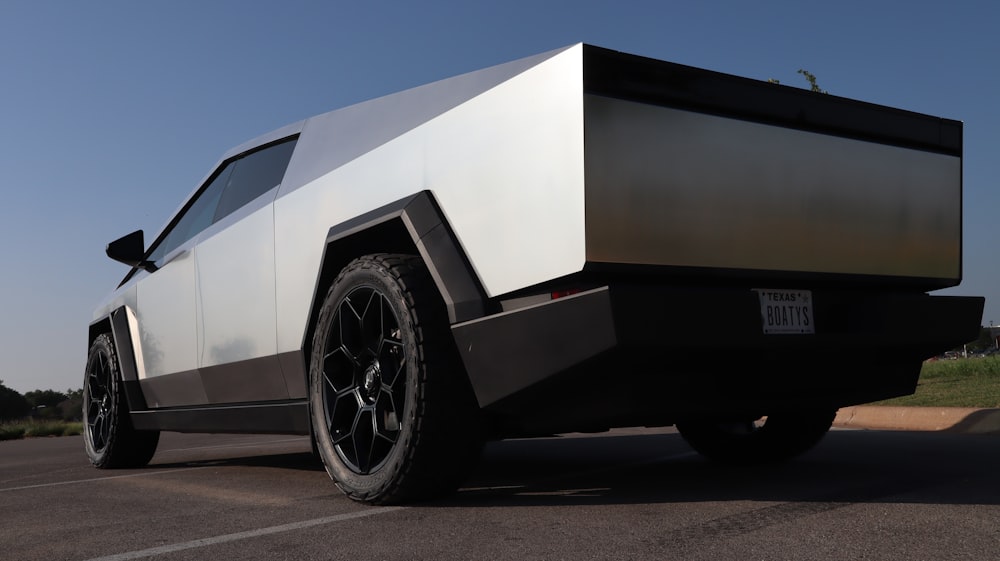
[{"x": 43, "y": 404}]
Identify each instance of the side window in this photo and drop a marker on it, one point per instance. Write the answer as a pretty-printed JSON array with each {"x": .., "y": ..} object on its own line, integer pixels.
[
  {"x": 240, "y": 181},
  {"x": 255, "y": 174},
  {"x": 197, "y": 217}
]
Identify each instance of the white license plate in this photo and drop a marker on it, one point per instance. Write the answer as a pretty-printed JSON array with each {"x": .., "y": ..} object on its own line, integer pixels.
[{"x": 786, "y": 311}]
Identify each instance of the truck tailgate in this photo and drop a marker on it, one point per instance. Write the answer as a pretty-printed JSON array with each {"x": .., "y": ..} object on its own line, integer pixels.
[{"x": 697, "y": 170}]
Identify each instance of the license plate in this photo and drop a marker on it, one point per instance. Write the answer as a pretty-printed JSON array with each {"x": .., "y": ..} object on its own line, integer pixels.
[{"x": 786, "y": 311}]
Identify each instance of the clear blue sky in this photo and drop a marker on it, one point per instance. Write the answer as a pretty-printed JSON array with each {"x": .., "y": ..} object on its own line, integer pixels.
[{"x": 110, "y": 112}]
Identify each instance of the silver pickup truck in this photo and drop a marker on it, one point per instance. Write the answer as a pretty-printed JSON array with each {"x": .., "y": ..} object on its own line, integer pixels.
[{"x": 574, "y": 241}]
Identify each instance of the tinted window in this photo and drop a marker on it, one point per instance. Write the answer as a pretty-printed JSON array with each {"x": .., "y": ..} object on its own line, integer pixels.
[
  {"x": 255, "y": 174},
  {"x": 197, "y": 217}
]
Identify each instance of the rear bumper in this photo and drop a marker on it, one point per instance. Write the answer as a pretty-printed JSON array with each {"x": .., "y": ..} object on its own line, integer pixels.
[{"x": 648, "y": 354}]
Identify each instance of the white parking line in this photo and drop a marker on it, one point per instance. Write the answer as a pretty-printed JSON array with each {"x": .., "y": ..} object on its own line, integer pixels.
[
  {"x": 204, "y": 542},
  {"x": 58, "y": 483}
]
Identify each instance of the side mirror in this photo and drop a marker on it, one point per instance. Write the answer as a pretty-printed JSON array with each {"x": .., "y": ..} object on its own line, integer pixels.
[{"x": 130, "y": 250}]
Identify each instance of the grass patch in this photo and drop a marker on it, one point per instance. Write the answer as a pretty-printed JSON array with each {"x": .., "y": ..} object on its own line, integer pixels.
[
  {"x": 11, "y": 432},
  {"x": 31, "y": 429},
  {"x": 966, "y": 382},
  {"x": 73, "y": 429}
]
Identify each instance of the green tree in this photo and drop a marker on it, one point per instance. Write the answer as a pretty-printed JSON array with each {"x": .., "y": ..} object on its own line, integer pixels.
[
  {"x": 45, "y": 398},
  {"x": 45, "y": 403},
  {"x": 72, "y": 408},
  {"x": 813, "y": 86},
  {"x": 13, "y": 405},
  {"x": 809, "y": 76}
]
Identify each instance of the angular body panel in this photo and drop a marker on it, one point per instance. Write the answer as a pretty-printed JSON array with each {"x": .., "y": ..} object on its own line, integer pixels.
[
  {"x": 680, "y": 188},
  {"x": 511, "y": 154}
]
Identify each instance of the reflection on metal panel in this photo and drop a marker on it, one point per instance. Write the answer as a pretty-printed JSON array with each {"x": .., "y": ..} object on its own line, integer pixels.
[
  {"x": 165, "y": 310},
  {"x": 133, "y": 329},
  {"x": 238, "y": 342},
  {"x": 332, "y": 139},
  {"x": 506, "y": 166},
  {"x": 236, "y": 314},
  {"x": 680, "y": 188},
  {"x": 236, "y": 291}
]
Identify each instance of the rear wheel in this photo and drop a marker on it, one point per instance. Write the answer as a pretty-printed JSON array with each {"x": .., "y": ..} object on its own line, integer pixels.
[
  {"x": 393, "y": 414},
  {"x": 752, "y": 441},
  {"x": 108, "y": 435}
]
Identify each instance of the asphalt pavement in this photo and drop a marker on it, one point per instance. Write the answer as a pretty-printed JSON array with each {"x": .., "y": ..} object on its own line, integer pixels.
[{"x": 635, "y": 494}]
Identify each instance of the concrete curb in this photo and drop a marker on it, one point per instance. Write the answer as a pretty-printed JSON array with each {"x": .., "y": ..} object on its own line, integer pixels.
[{"x": 966, "y": 420}]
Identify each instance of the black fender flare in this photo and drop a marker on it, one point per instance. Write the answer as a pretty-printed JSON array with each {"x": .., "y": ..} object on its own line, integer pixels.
[
  {"x": 415, "y": 224},
  {"x": 117, "y": 323}
]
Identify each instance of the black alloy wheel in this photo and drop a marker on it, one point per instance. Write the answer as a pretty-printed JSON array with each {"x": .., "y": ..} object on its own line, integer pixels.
[
  {"x": 394, "y": 417},
  {"x": 364, "y": 380}
]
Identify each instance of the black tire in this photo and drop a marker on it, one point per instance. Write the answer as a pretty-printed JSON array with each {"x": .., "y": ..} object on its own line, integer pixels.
[
  {"x": 780, "y": 437},
  {"x": 108, "y": 435},
  {"x": 394, "y": 416}
]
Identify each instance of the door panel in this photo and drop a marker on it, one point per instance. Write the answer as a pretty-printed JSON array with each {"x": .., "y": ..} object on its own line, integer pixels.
[
  {"x": 165, "y": 310},
  {"x": 237, "y": 345}
]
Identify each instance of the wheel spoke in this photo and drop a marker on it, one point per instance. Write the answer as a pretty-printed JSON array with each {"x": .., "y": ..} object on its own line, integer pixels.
[
  {"x": 338, "y": 371},
  {"x": 351, "y": 337},
  {"x": 95, "y": 379},
  {"x": 93, "y": 407},
  {"x": 391, "y": 359},
  {"x": 341, "y": 412},
  {"x": 338, "y": 440},
  {"x": 364, "y": 437},
  {"x": 364, "y": 360},
  {"x": 98, "y": 437},
  {"x": 371, "y": 324}
]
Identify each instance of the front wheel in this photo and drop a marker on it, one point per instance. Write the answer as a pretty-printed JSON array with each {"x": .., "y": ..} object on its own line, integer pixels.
[
  {"x": 780, "y": 437},
  {"x": 394, "y": 416},
  {"x": 108, "y": 434}
]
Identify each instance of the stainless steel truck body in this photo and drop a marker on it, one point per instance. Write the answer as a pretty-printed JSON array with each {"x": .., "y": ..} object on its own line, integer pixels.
[{"x": 577, "y": 240}]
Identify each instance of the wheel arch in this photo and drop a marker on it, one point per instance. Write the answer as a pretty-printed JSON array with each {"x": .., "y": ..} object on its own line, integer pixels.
[
  {"x": 413, "y": 225},
  {"x": 118, "y": 325}
]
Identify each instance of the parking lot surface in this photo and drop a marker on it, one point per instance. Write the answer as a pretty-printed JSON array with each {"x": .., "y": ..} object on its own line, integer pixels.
[{"x": 628, "y": 494}]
